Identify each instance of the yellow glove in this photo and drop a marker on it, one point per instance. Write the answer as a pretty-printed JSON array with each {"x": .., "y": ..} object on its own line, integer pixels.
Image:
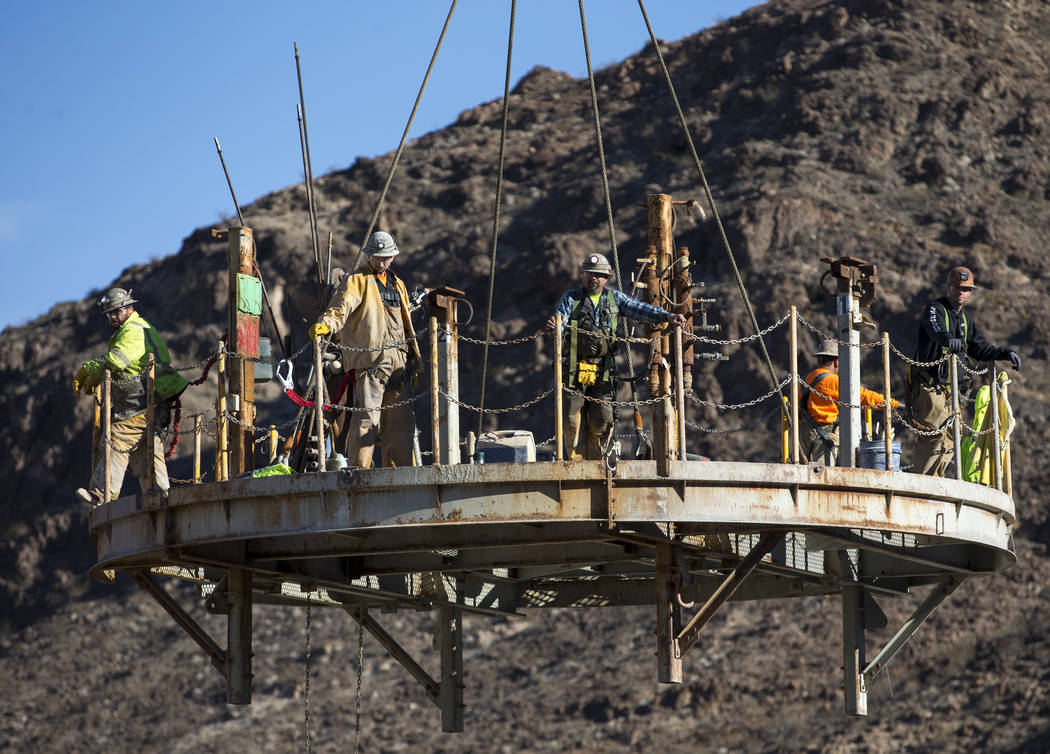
[
  {"x": 318, "y": 329},
  {"x": 587, "y": 374},
  {"x": 80, "y": 380}
]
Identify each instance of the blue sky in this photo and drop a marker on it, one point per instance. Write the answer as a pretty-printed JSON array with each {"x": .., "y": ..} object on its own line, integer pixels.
[{"x": 109, "y": 108}]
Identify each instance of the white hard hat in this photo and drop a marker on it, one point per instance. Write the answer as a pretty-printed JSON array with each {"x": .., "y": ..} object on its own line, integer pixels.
[{"x": 381, "y": 244}]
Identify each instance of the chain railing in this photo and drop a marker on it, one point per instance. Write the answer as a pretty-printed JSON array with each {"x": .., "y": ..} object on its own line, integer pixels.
[{"x": 216, "y": 427}]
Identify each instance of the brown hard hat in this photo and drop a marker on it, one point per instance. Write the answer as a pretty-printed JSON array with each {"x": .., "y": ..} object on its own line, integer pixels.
[{"x": 960, "y": 276}]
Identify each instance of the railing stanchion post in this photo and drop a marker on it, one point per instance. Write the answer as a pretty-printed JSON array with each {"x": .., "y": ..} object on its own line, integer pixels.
[
  {"x": 887, "y": 408},
  {"x": 997, "y": 448},
  {"x": 220, "y": 419},
  {"x": 559, "y": 396},
  {"x": 319, "y": 404},
  {"x": 273, "y": 444},
  {"x": 197, "y": 428},
  {"x": 435, "y": 397},
  {"x": 107, "y": 432},
  {"x": 679, "y": 389},
  {"x": 148, "y": 439},
  {"x": 956, "y": 417},
  {"x": 793, "y": 394}
]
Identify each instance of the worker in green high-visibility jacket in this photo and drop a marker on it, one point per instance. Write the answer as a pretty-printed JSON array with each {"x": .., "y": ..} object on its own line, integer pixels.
[{"x": 127, "y": 358}]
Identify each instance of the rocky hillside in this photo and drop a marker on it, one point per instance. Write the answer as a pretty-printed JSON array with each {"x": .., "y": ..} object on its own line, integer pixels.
[{"x": 914, "y": 134}]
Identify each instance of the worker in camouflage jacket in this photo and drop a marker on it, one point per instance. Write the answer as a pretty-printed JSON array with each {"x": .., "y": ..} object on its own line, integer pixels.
[
  {"x": 945, "y": 329},
  {"x": 591, "y": 320},
  {"x": 370, "y": 313},
  {"x": 127, "y": 358}
]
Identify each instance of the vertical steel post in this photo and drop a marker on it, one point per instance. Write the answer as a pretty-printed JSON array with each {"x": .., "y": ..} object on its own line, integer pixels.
[
  {"x": 849, "y": 374},
  {"x": 853, "y": 650},
  {"x": 956, "y": 416},
  {"x": 221, "y": 466},
  {"x": 450, "y": 640},
  {"x": 679, "y": 392},
  {"x": 319, "y": 405},
  {"x": 239, "y": 637},
  {"x": 668, "y": 618},
  {"x": 96, "y": 426},
  {"x": 197, "y": 429},
  {"x": 559, "y": 394},
  {"x": 997, "y": 448},
  {"x": 887, "y": 408},
  {"x": 242, "y": 340},
  {"x": 435, "y": 394},
  {"x": 793, "y": 395},
  {"x": 107, "y": 433},
  {"x": 149, "y": 438},
  {"x": 448, "y": 358},
  {"x": 272, "y": 444}
]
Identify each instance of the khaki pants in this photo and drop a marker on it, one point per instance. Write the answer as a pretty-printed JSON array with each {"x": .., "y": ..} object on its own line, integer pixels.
[
  {"x": 587, "y": 424},
  {"x": 818, "y": 449},
  {"x": 931, "y": 407},
  {"x": 392, "y": 427},
  {"x": 126, "y": 434}
]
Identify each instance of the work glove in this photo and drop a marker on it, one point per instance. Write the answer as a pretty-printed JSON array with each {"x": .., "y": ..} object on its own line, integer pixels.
[
  {"x": 587, "y": 374},
  {"x": 955, "y": 345},
  {"x": 80, "y": 381},
  {"x": 1015, "y": 360},
  {"x": 318, "y": 329}
]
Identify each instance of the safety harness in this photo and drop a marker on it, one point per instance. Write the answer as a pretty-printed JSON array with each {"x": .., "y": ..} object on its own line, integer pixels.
[
  {"x": 589, "y": 346},
  {"x": 942, "y": 377},
  {"x": 388, "y": 290}
]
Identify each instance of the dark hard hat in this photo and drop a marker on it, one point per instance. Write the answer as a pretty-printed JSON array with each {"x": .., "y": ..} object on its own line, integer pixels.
[
  {"x": 960, "y": 276},
  {"x": 115, "y": 298},
  {"x": 827, "y": 347}
]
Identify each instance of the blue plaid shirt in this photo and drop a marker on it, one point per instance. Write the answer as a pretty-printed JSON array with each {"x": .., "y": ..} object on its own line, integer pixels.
[{"x": 629, "y": 307}]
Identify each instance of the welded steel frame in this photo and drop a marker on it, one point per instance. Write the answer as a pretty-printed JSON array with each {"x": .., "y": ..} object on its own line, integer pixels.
[{"x": 495, "y": 539}]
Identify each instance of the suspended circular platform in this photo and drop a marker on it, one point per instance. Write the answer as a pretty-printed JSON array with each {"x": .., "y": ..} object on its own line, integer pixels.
[{"x": 497, "y": 538}]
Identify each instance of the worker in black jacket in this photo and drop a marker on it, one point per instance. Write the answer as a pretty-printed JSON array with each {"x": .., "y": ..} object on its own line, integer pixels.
[{"x": 945, "y": 329}]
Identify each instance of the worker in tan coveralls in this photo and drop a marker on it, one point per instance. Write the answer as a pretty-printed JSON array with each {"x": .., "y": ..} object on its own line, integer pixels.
[{"x": 370, "y": 311}]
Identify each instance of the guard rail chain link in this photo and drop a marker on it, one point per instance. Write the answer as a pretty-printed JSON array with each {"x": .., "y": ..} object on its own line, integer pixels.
[
  {"x": 760, "y": 420},
  {"x": 607, "y": 402},
  {"x": 826, "y": 336},
  {"x": 509, "y": 409},
  {"x": 736, "y": 406},
  {"x": 735, "y": 341}
]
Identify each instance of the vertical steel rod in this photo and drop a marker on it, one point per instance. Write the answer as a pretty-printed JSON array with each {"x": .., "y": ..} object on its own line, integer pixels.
[
  {"x": 107, "y": 433},
  {"x": 450, "y": 691},
  {"x": 197, "y": 428},
  {"x": 273, "y": 443},
  {"x": 956, "y": 416},
  {"x": 148, "y": 438},
  {"x": 559, "y": 394},
  {"x": 668, "y": 619},
  {"x": 435, "y": 395},
  {"x": 997, "y": 448},
  {"x": 679, "y": 392},
  {"x": 319, "y": 405},
  {"x": 239, "y": 637},
  {"x": 887, "y": 408},
  {"x": 793, "y": 395},
  {"x": 221, "y": 468}
]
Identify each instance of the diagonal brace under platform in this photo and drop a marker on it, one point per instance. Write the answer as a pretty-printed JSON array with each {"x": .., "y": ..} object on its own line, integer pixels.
[{"x": 687, "y": 636}]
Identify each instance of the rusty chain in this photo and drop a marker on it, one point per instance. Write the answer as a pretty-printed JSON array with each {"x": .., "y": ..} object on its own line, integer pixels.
[
  {"x": 735, "y": 341},
  {"x": 507, "y": 410},
  {"x": 737, "y": 406}
]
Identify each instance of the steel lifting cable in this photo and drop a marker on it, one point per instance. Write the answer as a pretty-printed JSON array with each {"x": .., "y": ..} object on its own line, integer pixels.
[
  {"x": 601, "y": 148},
  {"x": 404, "y": 137},
  {"x": 495, "y": 215},
  {"x": 707, "y": 192}
]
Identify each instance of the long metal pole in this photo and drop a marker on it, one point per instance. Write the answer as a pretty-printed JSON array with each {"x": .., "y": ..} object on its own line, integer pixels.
[
  {"x": 148, "y": 438},
  {"x": 679, "y": 392},
  {"x": 308, "y": 164},
  {"x": 849, "y": 375},
  {"x": 435, "y": 396},
  {"x": 319, "y": 405},
  {"x": 107, "y": 432},
  {"x": 956, "y": 418},
  {"x": 221, "y": 472},
  {"x": 229, "y": 183},
  {"x": 887, "y": 409},
  {"x": 197, "y": 448},
  {"x": 997, "y": 449},
  {"x": 309, "y": 199},
  {"x": 793, "y": 395},
  {"x": 559, "y": 394}
]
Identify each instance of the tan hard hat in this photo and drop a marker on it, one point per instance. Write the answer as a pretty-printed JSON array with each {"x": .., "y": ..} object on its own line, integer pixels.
[
  {"x": 827, "y": 347},
  {"x": 960, "y": 276},
  {"x": 116, "y": 298},
  {"x": 596, "y": 263},
  {"x": 381, "y": 244}
]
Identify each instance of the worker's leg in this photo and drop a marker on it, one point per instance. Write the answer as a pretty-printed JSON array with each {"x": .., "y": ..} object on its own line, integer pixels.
[
  {"x": 599, "y": 421},
  {"x": 125, "y": 435},
  {"x": 364, "y": 425},
  {"x": 572, "y": 419},
  {"x": 397, "y": 424},
  {"x": 930, "y": 408},
  {"x": 142, "y": 456}
]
